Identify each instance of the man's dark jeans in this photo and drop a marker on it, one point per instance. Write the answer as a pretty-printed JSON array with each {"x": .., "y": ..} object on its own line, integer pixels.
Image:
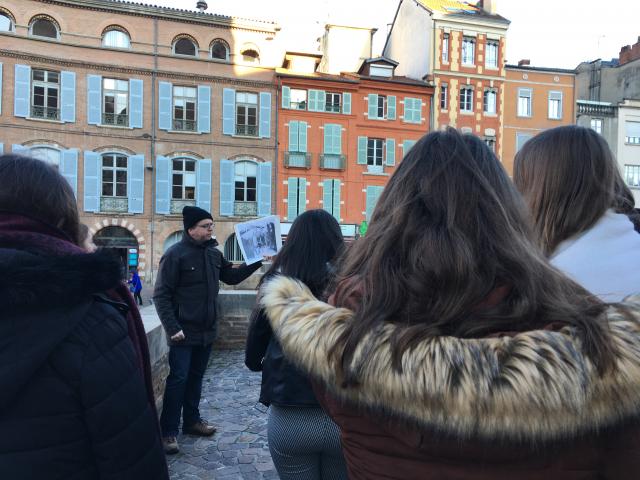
[{"x": 187, "y": 365}]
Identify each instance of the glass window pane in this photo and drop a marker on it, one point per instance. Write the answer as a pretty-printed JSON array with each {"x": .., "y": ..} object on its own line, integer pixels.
[
  {"x": 44, "y": 28},
  {"x": 252, "y": 98},
  {"x": 184, "y": 46},
  {"x": 121, "y": 190},
  {"x": 251, "y": 182},
  {"x": 121, "y": 176},
  {"x": 190, "y": 166},
  {"x": 190, "y": 92},
  {"x": 177, "y": 179},
  {"x": 121, "y": 162},
  {"x": 177, "y": 164},
  {"x": 38, "y": 75},
  {"x": 107, "y": 175},
  {"x": 219, "y": 51},
  {"x": 6, "y": 25},
  {"x": 107, "y": 161},
  {"x": 189, "y": 193},
  {"x": 176, "y": 192},
  {"x": 107, "y": 189},
  {"x": 251, "y": 195}
]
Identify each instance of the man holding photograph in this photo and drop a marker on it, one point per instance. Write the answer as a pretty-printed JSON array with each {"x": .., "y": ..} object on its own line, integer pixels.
[{"x": 185, "y": 297}]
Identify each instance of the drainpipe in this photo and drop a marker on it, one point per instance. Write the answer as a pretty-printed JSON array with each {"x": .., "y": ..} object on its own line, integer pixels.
[{"x": 154, "y": 73}]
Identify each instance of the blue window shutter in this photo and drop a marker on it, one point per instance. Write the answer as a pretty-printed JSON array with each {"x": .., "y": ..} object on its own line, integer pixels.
[
  {"x": 228, "y": 114},
  {"x": 373, "y": 106},
  {"x": 370, "y": 202},
  {"x": 346, "y": 103},
  {"x": 302, "y": 195},
  {"x": 391, "y": 152},
  {"x": 302, "y": 137},
  {"x": 327, "y": 195},
  {"x": 391, "y": 107},
  {"x": 136, "y": 95},
  {"x": 292, "y": 198},
  {"x": 203, "y": 189},
  {"x": 417, "y": 105},
  {"x": 336, "y": 199},
  {"x": 165, "y": 93},
  {"x": 204, "y": 109},
  {"x": 407, "y": 115},
  {"x": 68, "y": 96},
  {"x": 327, "y": 144},
  {"x": 227, "y": 190},
  {"x": 264, "y": 189},
  {"x": 94, "y": 99},
  {"x": 362, "y": 151},
  {"x": 1, "y": 148},
  {"x": 313, "y": 100},
  {"x": 0, "y": 89},
  {"x": 286, "y": 97},
  {"x": 337, "y": 139},
  {"x": 322, "y": 100},
  {"x": 163, "y": 185},
  {"x": 21, "y": 102},
  {"x": 293, "y": 136},
  {"x": 406, "y": 146},
  {"x": 69, "y": 168},
  {"x": 19, "y": 149},
  {"x": 265, "y": 115},
  {"x": 135, "y": 184},
  {"x": 92, "y": 181}
]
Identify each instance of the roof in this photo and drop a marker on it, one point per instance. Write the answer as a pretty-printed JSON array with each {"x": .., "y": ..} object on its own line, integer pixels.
[
  {"x": 541, "y": 69},
  {"x": 456, "y": 7},
  {"x": 381, "y": 60}
]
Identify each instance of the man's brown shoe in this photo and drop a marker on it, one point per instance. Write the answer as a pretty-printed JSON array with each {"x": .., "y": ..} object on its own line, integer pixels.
[
  {"x": 170, "y": 445},
  {"x": 200, "y": 428}
]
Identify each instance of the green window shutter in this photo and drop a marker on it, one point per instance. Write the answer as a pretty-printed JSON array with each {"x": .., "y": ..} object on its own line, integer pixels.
[
  {"x": 327, "y": 138},
  {"x": 406, "y": 146},
  {"x": 313, "y": 100},
  {"x": 336, "y": 199},
  {"x": 293, "y": 135},
  {"x": 373, "y": 106},
  {"x": 292, "y": 199},
  {"x": 302, "y": 137},
  {"x": 370, "y": 202},
  {"x": 302, "y": 195},
  {"x": 418, "y": 110},
  {"x": 322, "y": 100},
  {"x": 327, "y": 195},
  {"x": 362, "y": 151},
  {"x": 408, "y": 114},
  {"x": 346, "y": 103},
  {"x": 391, "y": 152},
  {"x": 391, "y": 107},
  {"x": 286, "y": 97},
  {"x": 337, "y": 139}
]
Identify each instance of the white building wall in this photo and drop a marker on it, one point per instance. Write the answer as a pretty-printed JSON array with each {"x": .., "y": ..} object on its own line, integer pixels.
[
  {"x": 344, "y": 49},
  {"x": 628, "y": 154}
]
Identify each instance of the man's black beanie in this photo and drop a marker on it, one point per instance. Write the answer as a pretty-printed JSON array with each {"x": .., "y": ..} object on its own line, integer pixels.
[{"x": 192, "y": 215}]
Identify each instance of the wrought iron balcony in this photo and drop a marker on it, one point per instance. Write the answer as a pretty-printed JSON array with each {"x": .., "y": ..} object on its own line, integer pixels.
[
  {"x": 184, "y": 125},
  {"x": 114, "y": 204},
  {"x": 330, "y": 161},
  {"x": 117, "y": 119},
  {"x": 245, "y": 209},
  {"x": 297, "y": 159},
  {"x": 596, "y": 109},
  {"x": 48, "y": 113},
  {"x": 177, "y": 205},
  {"x": 247, "y": 130}
]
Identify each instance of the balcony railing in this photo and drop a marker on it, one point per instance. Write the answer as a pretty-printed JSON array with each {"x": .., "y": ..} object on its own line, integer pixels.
[
  {"x": 297, "y": 159},
  {"x": 245, "y": 209},
  {"x": 114, "y": 204},
  {"x": 184, "y": 125},
  {"x": 596, "y": 109},
  {"x": 177, "y": 205},
  {"x": 117, "y": 119},
  {"x": 48, "y": 113},
  {"x": 247, "y": 130},
  {"x": 330, "y": 161}
]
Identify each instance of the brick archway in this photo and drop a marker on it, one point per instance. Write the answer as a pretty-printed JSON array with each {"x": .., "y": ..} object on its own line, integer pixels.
[{"x": 135, "y": 231}]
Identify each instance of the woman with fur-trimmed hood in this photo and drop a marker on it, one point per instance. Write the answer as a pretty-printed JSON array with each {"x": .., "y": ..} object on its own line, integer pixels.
[{"x": 451, "y": 349}]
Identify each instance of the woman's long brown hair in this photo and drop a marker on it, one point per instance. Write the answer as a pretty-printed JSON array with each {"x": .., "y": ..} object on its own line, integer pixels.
[{"x": 448, "y": 230}]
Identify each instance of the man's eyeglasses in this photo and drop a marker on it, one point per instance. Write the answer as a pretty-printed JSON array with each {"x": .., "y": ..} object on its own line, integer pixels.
[{"x": 207, "y": 226}]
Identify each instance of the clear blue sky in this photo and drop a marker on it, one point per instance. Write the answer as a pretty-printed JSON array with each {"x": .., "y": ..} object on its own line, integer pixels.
[{"x": 552, "y": 33}]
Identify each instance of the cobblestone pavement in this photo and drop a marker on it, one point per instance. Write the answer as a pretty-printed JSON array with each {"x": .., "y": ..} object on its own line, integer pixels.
[{"x": 238, "y": 450}]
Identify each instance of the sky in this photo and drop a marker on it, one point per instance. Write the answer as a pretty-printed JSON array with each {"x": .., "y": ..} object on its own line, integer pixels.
[{"x": 550, "y": 33}]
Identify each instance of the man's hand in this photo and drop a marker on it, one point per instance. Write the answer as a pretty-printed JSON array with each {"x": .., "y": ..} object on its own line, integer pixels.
[{"x": 178, "y": 337}]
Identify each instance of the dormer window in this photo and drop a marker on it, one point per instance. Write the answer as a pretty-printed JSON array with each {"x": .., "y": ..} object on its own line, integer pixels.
[
  {"x": 380, "y": 70},
  {"x": 43, "y": 27}
]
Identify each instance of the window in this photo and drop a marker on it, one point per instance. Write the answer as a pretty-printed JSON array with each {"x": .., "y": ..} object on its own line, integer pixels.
[
  {"x": 521, "y": 139},
  {"x": 524, "y": 102},
  {"x": 374, "y": 154},
  {"x": 45, "y": 98},
  {"x": 247, "y": 114},
  {"x": 185, "y": 46},
  {"x": 298, "y": 99},
  {"x": 114, "y": 175},
  {"x": 412, "y": 110},
  {"x": 632, "y": 175},
  {"x": 250, "y": 56},
  {"x": 491, "y": 143},
  {"x": 555, "y": 105},
  {"x": 332, "y": 150},
  {"x": 445, "y": 48},
  {"x": 232, "y": 250},
  {"x": 297, "y": 156},
  {"x": 220, "y": 50},
  {"x": 245, "y": 181},
  {"x": 632, "y": 133},
  {"x": 6, "y": 23},
  {"x": 490, "y": 101},
  {"x": 172, "y": 239},
  {"x": 116, "y": 39},
  {"x": 331, "y": 197},
  {"x": 381, "y": 107},
  {"x": 332, "y": 102},
  {"x": 596, "y": 125},
  {"x": 43, "y": 27},
  {"x": 183, "y": 179},
  {"x": 296, "y": 197},
  {"x": 491, "y": 60},
  {"x": 115, "y": 95},
  {"x": 46, "y": 154},
  {"x": 373, "y": 193},
  {"x": 444, "y": 101},
  {"x": 466, "y": 99},
  {"x": 468, "y": 51},
  {"x": 184, "y": 108}
]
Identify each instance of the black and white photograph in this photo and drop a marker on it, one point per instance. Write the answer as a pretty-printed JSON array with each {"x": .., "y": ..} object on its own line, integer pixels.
[{"x": 259, "y": 238}]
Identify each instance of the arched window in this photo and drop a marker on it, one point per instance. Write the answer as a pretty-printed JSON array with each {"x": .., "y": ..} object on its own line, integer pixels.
[
  {"x": 220, "y": 50},
  {"x": 171, "y": 240},
  {"x": 7, "y": 24},
  {"x": 43, "y": 27},
  {"x": 46, "y": 154},
  {"x": 184, "y": 179},
  {"x": 246, "y": 174},
  {"x": 116, "y": 39},
  {"x": 232, "y": 251},
  {"x": 184, "y": 46},
  {"x": 250, "y": 56}
]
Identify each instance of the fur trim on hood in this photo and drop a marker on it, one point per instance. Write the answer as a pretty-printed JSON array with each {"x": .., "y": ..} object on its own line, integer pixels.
[{"x": 534, "y": 386}]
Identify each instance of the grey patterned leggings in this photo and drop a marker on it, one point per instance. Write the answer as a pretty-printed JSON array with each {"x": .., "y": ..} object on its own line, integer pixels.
[{"x": 305, "y": 444}]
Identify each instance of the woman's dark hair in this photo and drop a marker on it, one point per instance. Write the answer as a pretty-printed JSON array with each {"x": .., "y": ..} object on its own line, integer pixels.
[
  {"x": 569, "y": 178},
  {"x": 36, "y": 189},
  {"x": 449, "y": 252},
  {"x": 313, "y": 242}
]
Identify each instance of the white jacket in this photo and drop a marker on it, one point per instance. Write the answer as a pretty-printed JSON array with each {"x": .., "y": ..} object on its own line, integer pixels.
[{"x": 605, "y": 259}]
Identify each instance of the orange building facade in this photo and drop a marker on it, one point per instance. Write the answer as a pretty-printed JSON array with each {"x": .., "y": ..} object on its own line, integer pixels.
[
  {"x": 536, "y": 99},
  {"x": 342, "y": 136}
]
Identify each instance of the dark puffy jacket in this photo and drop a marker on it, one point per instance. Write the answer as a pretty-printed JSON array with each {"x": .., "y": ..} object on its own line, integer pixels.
[
  {"x": 73, "y": 404},
  {"x": 187, "y": 287}
]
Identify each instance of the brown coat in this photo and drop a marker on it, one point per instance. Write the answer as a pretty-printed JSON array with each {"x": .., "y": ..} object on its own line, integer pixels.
[{"x": 521, "y": 407}]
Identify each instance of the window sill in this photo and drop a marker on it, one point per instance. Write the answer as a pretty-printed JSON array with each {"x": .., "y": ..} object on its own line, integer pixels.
[
  {"x": 246, "y": 136},
  {"x": 468, "y": 65},
  {"x": 487, "y": 114},
  {"x": 121, "y": 127},
  {"x": 467, "y": 112},
  {"x": 556, "y": 119},
  {"x": 413, "y": 123},
  {"x": 491, "y": 68},
  {"x": 524, "y": 116},
  {"x": 184, "y": 132},
  {"x": 113, "y": 212},
  {"x": 35, "y": 119},
  {"x": 374, "y": 174}
]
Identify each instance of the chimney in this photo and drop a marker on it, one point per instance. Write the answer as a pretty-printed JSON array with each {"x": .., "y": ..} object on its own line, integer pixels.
[
  {"x": 489, "y": 6},
  {"x": 524, "y": 62},
  {"x": 629, "y": 53},
  {"x": 202, "y": 6}
]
